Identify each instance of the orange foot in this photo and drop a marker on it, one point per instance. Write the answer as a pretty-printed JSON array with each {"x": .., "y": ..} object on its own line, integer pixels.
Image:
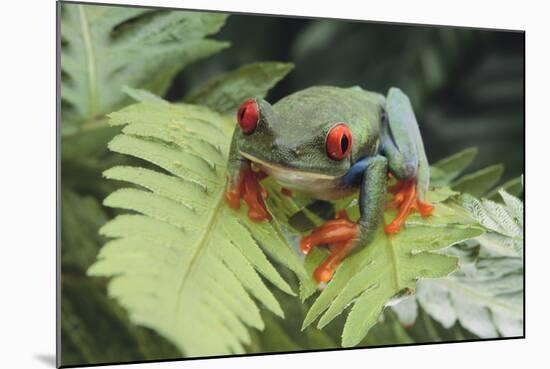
[
  {"x": 405, "y": 201},
  {"x": 248, "y": 188},
  {"x": 340, "y": 235}
]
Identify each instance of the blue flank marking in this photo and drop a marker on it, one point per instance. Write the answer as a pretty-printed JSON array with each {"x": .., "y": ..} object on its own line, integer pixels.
[{"x": 354, "y": 176}]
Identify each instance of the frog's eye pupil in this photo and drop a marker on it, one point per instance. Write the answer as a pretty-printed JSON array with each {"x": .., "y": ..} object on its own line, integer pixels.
[
  {"x": 339, "y": 142},
  {"x": 248, "y": 115},
  {"x": 344, "y": 143}
]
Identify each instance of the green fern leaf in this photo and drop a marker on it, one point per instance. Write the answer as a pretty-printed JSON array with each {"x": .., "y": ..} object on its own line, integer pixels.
[
  {"x": 226, "y": 92},
  {"x": 447, "y": 169},
  {"x": 105, "y": 48},
  {"x": 90, "y": 141},
  {"x": 486, "y": 294},
  {"x": 81, "y": 217},
  {"x": 186, "y": 265},
  {"x": 84, "y": 303},
  {"x": 512, "y": 187},
  {"x": 479, "y": 182},
  {"x": 390, "y": 266},
  {"x": 141, "y": 95}
]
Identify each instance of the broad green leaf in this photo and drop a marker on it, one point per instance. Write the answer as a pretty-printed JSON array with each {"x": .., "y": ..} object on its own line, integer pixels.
[
  {"x": 513, "y": 187},
  {"x": 447, "y": 169},
  {"x": 104, "y": 48},
  {"x": 479, "y": 182},
  {"x": 389, "y": 266},
  {"x": 186, "y": 265},
  {"x": 486, "y": 294},
  {"x": 88, "y": 142},
  {"x": 226, "y": 92},
  {"x": 81, "y": 218},
  {"x": 84, "y": 304}
]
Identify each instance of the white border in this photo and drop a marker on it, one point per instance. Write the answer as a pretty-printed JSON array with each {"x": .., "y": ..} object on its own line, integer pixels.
[{"x": 28, "y": 182}]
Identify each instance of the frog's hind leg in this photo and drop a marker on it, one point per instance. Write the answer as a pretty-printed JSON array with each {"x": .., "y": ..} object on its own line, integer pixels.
[{"x": 402, "y": 146}]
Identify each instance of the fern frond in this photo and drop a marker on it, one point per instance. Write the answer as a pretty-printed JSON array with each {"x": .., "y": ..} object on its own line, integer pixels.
[
  {"x": 486, "y": 294},
  {"x": 513, "y": 187},
  {"x": 81, "y": 217},
  {"x": 226, "y": 92},
  {"x": 186, "y": 265},
  {"x": 104, "y": 48},
  {"x": 482, "y": 182},
  {"x": 390, "y": 266},
  {"x": 84, "y": 304},
  {"x": 479, "y": 182},
  {"x": 447, "y": 169},
  {"x": 505, "y": 220}
]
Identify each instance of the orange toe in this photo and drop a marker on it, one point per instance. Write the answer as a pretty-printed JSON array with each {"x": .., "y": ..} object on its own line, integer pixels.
[
  {"x": 338, "y": 251},
  {"x": 425, "y": 209},
  {"x": 340, "y": 235},
  {"x": 249, "y": 189},
  {"x": 405, "y": 200},
  {"x": 233, "y": 198},
  {"x": 322, "y": 274}
]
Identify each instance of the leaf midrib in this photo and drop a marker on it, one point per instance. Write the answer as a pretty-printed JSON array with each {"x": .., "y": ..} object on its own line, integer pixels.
[
  {"x": 91, "y": 67},
  {"x": 200, "y": 246},
  {"x": 394, "y": 263}
]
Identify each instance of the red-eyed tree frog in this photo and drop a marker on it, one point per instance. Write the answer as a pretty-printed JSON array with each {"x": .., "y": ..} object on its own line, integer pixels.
[{"x": 331, "y": 142}]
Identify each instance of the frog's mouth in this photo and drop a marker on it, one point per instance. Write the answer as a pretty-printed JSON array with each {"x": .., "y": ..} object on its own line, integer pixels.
[
  {"x": 317, "y": 185},
  {"x": 279, "y": 170}
]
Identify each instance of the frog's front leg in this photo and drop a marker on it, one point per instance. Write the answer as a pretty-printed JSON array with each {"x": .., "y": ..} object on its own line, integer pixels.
[
  {"x": 343, "y": 235},
  {"x": 403, "y": 147},
  {"x": 244, "y": 183}
]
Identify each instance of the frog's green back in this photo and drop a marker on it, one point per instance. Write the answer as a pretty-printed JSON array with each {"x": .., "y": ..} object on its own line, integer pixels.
[{"x": 309, "y": 111}]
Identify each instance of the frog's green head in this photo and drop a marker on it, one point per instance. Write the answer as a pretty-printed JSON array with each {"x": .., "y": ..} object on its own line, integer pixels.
[{"x": 308, "y": 139}]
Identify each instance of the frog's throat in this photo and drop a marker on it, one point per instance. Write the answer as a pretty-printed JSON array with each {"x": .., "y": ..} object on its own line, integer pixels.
[{"x": 280, "y": 168}]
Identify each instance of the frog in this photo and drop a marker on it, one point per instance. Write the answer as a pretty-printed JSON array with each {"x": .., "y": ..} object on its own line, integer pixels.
[{"x": 331, "y": 142}]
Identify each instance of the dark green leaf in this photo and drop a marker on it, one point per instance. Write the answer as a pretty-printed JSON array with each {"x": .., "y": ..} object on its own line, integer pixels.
[
  {"x": 226, "y": 92},
  {"x": 449, "y": 168},
  {"x": 479, "y": 182},
  {"x": 514, "y": 187},
  {"x": 105, "y": 48}
]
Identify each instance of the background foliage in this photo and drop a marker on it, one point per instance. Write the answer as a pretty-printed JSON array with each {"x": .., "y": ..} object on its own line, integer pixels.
[{"x": 467, "y": 89}]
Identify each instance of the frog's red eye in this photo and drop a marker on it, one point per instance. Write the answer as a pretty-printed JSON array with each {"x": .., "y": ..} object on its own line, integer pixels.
[
  {"x": 247, "y": 116},
  {"x": 339, "y": 142}
]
